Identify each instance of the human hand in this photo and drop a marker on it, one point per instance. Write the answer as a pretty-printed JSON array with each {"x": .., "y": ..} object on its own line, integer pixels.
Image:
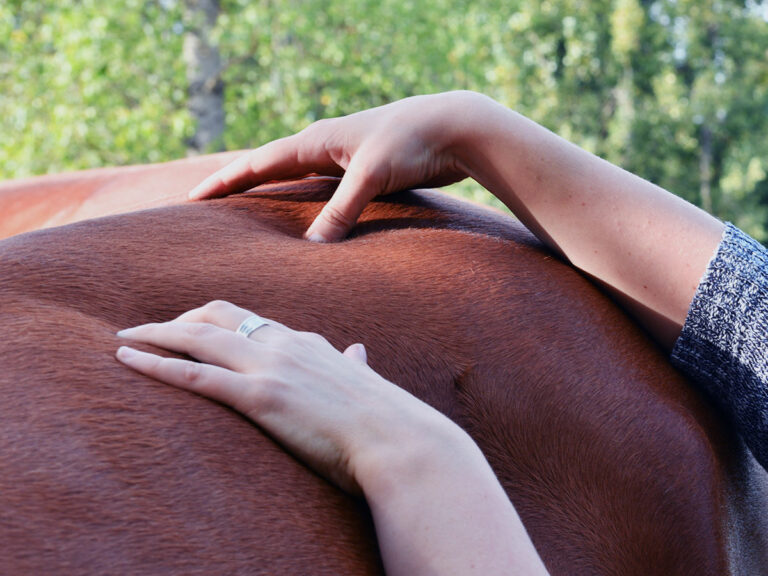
[
  {"x": 429, "y": 488},
  {"x": 328, "y": 408},
  {"x": 410, "y": 143}
]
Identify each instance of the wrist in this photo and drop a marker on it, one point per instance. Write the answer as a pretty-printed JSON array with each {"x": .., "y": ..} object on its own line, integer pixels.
[
  {"x": 467, "y": 119},
  {"x": 439, "y": 508},
  {"x": 428, "y": 445},
  {"x": 491, "y": 138}
]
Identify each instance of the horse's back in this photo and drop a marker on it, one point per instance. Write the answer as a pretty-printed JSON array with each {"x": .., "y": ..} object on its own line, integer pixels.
[{"x": 614, "y": 464}]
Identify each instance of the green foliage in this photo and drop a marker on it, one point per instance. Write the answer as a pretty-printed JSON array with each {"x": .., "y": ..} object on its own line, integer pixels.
[
  {"x": 88, "y": 83},
  {"x": 654, "y": 85}
]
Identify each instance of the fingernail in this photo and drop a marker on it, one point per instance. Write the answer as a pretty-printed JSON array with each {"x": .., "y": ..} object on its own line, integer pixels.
[
  {"x": 125, "y": 353},
  {"x": 315, "y": 237},
  {"x": 199, "y": 190}
]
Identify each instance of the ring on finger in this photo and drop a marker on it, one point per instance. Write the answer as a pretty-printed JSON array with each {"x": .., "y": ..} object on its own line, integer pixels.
[{"x": 250, "y": 325}]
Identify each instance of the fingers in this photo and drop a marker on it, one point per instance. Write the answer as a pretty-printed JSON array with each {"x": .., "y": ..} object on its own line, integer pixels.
[
  {"x": 357, "y": 188},
  {"x": 295, "y": 385},
  {"x": 217, "y": 312},
  {"x": 225, "y": 386},
  {"x": 357, "y": 353},
  {"x": 281, "y": 160},
  {"x": 226, "y": 315},
  {"x": 291, "y": 157},
  {"x": 276, "y": 158},
  {"x": 205, "y": 342}
]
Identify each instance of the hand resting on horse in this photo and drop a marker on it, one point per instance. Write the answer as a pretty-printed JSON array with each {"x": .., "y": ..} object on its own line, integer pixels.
[{"x": 436, "y": 504}]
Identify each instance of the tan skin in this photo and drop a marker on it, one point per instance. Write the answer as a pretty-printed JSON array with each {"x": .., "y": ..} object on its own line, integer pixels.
[{"x": 438, "y": 507}]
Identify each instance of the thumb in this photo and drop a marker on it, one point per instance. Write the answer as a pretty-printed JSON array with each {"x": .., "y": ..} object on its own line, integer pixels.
[
  {"x": 340, "y": 214},
  {"x": 357, "y": 353}
]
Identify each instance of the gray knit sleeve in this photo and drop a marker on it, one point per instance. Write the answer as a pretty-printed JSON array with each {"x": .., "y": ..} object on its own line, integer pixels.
[{"x": 724, "y": 343}]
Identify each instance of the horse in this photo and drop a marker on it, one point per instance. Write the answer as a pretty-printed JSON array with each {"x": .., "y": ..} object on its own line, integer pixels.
[{"x": 615, "y": 463}]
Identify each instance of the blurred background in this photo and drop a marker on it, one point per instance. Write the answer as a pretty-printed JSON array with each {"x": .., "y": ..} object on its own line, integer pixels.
[{"x": 673, "y": 90}]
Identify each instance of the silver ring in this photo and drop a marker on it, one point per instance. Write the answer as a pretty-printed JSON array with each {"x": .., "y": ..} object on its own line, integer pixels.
[{"x": 251, "y": 324}]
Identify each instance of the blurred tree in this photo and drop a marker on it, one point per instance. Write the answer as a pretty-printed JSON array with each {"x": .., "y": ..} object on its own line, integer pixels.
[
  {"x": 205, "y": 99},
  {"x": 87, "y": 83},
  {"x": 713, "y": 89}
]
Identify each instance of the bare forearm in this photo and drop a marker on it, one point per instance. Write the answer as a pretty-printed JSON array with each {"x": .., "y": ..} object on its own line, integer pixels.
[
  {"x": 443, "y": 512},
  {"x": 647, "y": 245}
]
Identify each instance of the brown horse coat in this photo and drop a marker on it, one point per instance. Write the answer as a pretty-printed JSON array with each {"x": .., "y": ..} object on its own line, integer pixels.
[
  {"x": 614, "y": 463},
  {"x": 57, "y": 199}
]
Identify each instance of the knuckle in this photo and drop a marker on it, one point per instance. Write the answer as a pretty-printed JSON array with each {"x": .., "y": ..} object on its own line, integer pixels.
[
  {"x": 319, "y": 126},
  {"x": 325, "y": 137},
  {"x": 337, "y": 218},
  {"x": 192, "y": 373},
  {"x": 216, "y": 308},
  {"x": 200, "y": 330},
  {"x": 157, "y": 364},
  {"x": 310, "y": 141},
  {"x": 309, "y": 137},
  {"x": 253, "y": 160},
  {"x": 312, "y": 338}
]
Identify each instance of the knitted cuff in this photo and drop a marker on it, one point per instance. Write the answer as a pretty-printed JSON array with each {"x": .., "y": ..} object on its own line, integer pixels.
[{"x": 724, "y": 342}]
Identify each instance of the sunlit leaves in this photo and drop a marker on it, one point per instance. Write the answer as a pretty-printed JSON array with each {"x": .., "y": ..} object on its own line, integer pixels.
[{"x": 89, "y": 84}]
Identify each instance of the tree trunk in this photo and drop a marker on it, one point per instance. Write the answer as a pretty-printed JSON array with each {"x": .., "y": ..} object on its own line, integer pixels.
[{"x": 206, "y": 88}]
